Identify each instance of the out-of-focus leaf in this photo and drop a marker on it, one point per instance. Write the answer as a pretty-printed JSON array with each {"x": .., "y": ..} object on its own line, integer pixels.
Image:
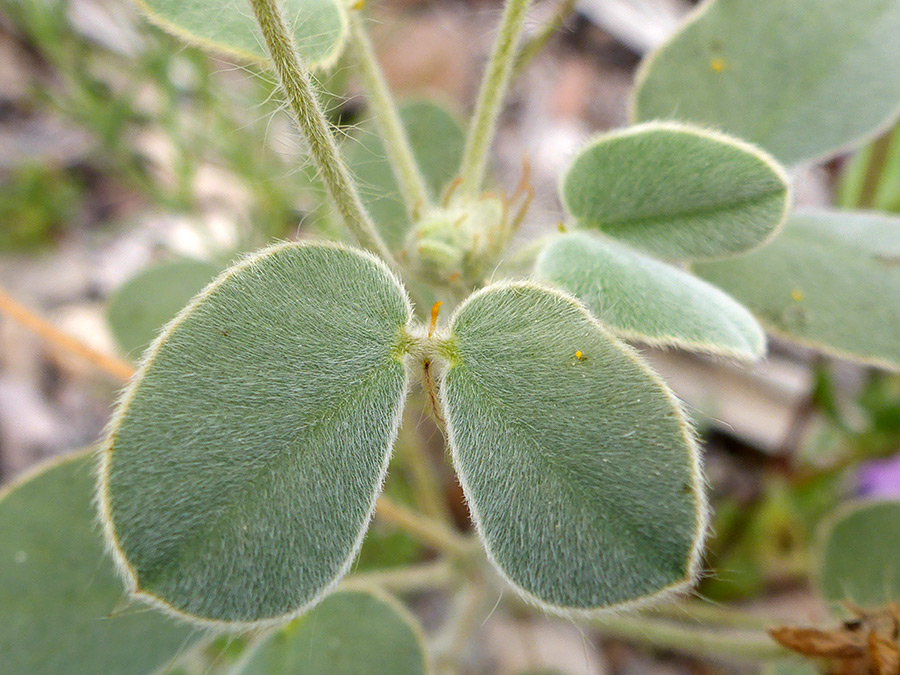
[
  {"x": 802, "y": 78},
  {"x": 831, "y": 281},
  {"x": 859, "y": 555},
  {"x": 229, "y": 27},
  {"x": 353, "y": 632},
  {"x": 147, "y": 301},
  {"x": 62, "y": 608}
]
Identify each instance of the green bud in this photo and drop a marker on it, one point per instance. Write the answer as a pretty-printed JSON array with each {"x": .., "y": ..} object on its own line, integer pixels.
[{"x": 455, "y": 245}]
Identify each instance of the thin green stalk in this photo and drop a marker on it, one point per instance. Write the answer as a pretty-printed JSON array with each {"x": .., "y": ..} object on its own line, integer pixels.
[
  {"x": 700, "y": 612},
  {"x": 467, "y": 611},
  {"x": 712, "y": 640},
  {"x": 424, "y": 476},
  {"x": 694, "y": 640},
  {"x": 493, "y": 90},
  {"x": 878, "y": 156},
  {"x": 431, "y": 532},
  {"x": 309, "y": 118},
  {"x": 410, "y": 579},
  {"x": 536, "y": 44},
  {"x": 396, "y": 142}
]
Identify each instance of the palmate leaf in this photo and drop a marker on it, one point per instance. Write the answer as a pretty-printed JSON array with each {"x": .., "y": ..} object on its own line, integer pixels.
[
  {"x": 577, "y": 462},
  {"x": 859, "y": 555},
  {"x": 61, "y": 603},
  {"x": 436, "y": 139},
  {"x": 147, "y": 301},
  {"x": 831, "y": 280},
  {"x": 641, "y": 298},
  {"x": 242, "y": 465},
  {"x": 353, "y": 632},
  {"x": 801, "y": 78},
  {"x": 678, "y": 192},
  {"x": 228, "y": 26}
]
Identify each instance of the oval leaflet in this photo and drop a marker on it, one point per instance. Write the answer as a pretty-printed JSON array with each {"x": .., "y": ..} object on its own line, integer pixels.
[
  {"x": 559, "y": 455},
  {"x": 242, "y": 465}
]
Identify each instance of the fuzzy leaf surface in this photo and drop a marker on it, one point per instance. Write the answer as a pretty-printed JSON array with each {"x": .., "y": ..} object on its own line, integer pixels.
[
  {"x": 147, "y": 301},
  {"x": 61, "y": 603},
  {"x": 677, "y": 192},
  {"x": 242, "y": 465},
  {"x": 801, "y": 78},
  {"x": 641, "y": 298},
  {"x": 859, "y": 557},
  {"x": 831, "y": 280},
  {"x": 228, "y": 26},
  {"x": 352, "y": 632},
  {"x": 576, "y": 460},
  {"x": 437, "y": 140}
]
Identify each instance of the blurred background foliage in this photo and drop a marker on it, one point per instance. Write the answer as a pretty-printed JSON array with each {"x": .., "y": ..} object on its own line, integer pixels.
[{"x": 105, "y": 119}]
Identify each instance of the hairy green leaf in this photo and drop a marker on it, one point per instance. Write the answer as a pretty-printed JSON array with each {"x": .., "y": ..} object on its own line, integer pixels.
[
  {"x": 859, "y": 555},
  {"x": 641, "y": 298},
  {"x": 437, "y": 142},
  {"x": 577, "y": 462},
  {"x": 228, "y": 26},
  {"x": 144, "y": 303},
  {"x": 802, "y": 78},
  {"x": 831, "y": 280},
  {"x": 676, "y": 191},
  {"x": 242, "y": 465},
  {"x": 61, "y": 603},
  {"x": 353, "y": 632}
]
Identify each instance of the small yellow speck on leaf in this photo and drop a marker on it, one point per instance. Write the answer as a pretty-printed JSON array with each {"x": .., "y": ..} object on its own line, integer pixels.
[
  {"x": 579, "y": 355},
  {"x": 718, "y": 65},
  {"x": 359, "y": 4},
  {"x": 560, "y": 226},
  {"x": 797, "y": 295}
]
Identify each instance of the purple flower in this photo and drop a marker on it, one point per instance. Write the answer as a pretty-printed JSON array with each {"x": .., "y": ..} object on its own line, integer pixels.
[{"x": 879, "y": 478}]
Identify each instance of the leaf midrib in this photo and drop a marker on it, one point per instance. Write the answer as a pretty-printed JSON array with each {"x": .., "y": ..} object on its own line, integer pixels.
[
  {"x": 187, "y": 551},
  {"x": 723, "y": 207},
  {"x": 648, "y": 546}
]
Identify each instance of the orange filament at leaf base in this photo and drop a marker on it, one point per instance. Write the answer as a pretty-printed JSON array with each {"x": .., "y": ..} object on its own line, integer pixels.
[{"x": 435, "y": 310}]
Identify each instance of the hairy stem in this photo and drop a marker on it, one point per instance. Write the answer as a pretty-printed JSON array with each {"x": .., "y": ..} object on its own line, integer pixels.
[
  {"x": 490, "y": 97},
  {"x": 424, "y": 477},
  {"x": 533, "y": 46},
  {"x": 310, "y": 120},
  {"x": 700, "y": 612},
  {"x": 411, "y": 579},
  {"x": 465, "y": 614},
  {"x": 695, "y": 640},
  {"x": 117, "y": 368},
  {"x": 430, "y": 532},
  {"x": 396, "y": 142},
  {"x": 720, "y": 639},
  {"x": 434, "y": 398}
]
